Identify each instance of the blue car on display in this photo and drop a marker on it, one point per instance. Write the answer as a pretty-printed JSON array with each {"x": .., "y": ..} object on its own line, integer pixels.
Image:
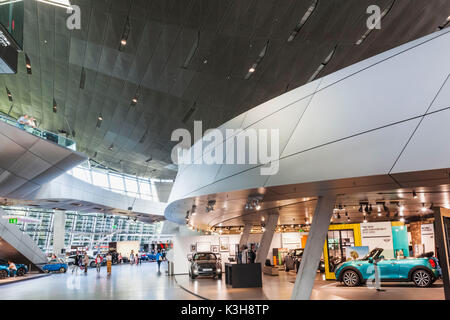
[
  {"x": 21, "y": 268},
  {"x": 422, "y": 271},
  {"x": 55, "y": 265},
  {"x": 4, "y": 272}
]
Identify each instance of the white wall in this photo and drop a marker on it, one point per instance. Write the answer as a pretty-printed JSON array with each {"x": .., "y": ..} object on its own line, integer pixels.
[{"x": 182, "y": 246}]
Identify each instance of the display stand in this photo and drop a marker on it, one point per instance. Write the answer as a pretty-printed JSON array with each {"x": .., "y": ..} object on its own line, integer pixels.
[{"x": 246, "y": 275}]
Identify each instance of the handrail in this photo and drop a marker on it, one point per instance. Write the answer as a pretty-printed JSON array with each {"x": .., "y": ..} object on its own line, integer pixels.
[{"x": 43, "y": 134}]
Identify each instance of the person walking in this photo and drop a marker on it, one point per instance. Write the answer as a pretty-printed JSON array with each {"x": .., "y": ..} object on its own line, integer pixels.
[
  {"x": 108, "y": 263},
  {"x": 132, "y": 257},
  {"x": 98, "y": 262},
  {"x": 12, "y": 269},
  {"x": 159, "y": 260},
  {"x": 120, "y": 258},
  {"x": 86, "y": 262},
  {"x": 76, "y": 264}
]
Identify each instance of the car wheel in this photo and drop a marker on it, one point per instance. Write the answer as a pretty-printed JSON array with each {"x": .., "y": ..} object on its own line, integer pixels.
[
  {"x": 350, "y": 278},
  {"x": 422, "y": 278},
  {"x": 20, "y": 272},
  {"x": 62, "y": 270},
  {"x": 3, "y": 274}
]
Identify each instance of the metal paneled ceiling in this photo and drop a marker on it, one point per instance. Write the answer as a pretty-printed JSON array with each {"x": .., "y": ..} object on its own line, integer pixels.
[{"x": 189, "y": 59}]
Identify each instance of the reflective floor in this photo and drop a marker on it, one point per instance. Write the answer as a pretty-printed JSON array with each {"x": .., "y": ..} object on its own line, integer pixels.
[
  {"x": 127, "y": 282},
  {"x": 145, "y": 283},
  {"x": 280, "y": 288}
]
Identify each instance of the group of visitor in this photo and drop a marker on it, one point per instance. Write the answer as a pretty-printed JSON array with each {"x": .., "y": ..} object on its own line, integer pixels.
[
  {"x": 135, "y": 258},
  {"x": 82, "y": 261},
  {"x": 246, "y": 255}
]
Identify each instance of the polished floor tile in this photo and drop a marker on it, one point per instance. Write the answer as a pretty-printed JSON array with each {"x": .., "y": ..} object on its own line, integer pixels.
[
  {"x": 127, "y": 282},
  {"x": 280, "y": 288}
]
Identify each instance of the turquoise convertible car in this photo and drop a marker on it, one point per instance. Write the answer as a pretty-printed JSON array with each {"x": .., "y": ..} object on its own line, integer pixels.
[{"x": 422, "y": 271}]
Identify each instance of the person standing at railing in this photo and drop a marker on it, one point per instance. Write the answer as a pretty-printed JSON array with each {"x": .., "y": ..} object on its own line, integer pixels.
[
  {"x": 32, "y": 122},
  {"x": 22, "y": 121}
]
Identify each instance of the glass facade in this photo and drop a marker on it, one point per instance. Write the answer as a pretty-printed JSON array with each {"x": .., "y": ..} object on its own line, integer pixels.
[
  {"x": 132, "y": 186},
  {"x": 82, "y": 229}
]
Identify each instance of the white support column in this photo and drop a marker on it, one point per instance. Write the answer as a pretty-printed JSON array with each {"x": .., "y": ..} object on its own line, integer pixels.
[
  {"x": 266, "y": 240},
  {"x": 245, "y": 234},
  {"x": 59, "y": 231},
  {"x": 314, "y": 248}
]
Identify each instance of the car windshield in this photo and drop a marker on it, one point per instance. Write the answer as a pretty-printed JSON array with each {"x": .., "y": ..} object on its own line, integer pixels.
[
  {"x": 204, "y": 256},
  {"x": 375, "y": 253}
]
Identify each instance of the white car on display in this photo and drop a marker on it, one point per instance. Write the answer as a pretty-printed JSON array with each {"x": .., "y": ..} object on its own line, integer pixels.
[{"x": 71, "y": 260}]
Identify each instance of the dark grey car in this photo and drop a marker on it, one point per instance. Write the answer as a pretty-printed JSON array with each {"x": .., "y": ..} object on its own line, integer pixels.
[{"x": 205, "y": 264}]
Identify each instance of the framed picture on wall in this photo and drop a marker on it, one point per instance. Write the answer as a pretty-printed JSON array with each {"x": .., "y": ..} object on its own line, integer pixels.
[
  {"x": 224, "y": 245},
  {"x": 193, "y": 248},
  {"x": 203, "y": 246},
  {"x": 215, "y": 249}
]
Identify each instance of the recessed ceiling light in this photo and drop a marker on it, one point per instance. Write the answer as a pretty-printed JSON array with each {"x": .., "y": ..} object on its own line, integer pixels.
[{"x": 251, "y": 70}]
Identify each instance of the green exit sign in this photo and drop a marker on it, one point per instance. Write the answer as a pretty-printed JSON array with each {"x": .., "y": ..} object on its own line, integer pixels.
[
  {"x": 13, "y": 221},
  {"x": 114, "y": 227}
]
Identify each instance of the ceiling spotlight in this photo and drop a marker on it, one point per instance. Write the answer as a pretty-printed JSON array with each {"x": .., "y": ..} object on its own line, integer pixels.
[
  {"x": 379, "y": 213},
  {"x": 366, "y": 209},
  {"x": 28, "y": 64},
  {"x": 9, "y": 94},
  {"x": 360, "y": 207},
  {"x": 431, "y": 206},
  {"x": 135, "y": 99},
  {"x": 111, "y": 147},
  {"x": 423, "y": 208},
  {"x": 258, "y": 207},
  {"x": 252, "y": 69},
  {"x": 262, "y": 218},
  {"x": 338, "y": 216},
  {"x": 210, "y": 206},
  {"x": 99, "y": 121},
  {"x": 126, "y": 33},
  {"x": 365, "y": 220},
  {"x": 55, "y": 106},
  {"x": 414, "y": 194},
  {"x": 402, "y": 219}
]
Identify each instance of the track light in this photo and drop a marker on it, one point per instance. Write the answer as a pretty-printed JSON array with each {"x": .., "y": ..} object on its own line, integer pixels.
[
  {"x": 431, "y": 206},
  {"x": 423, "y": 208},
  {"x": 55, "y": 106},
  {"x": 402, "y": 219},
  {"x": 126, "y": 33},
  {"x": 9, "y": 94},
  {"x": 28, "y": 64},
  {"x": 366, "y": 209},
  {"x": 111, "y": 147},
  {"x": 360, "y": 207},
  {"x": 414, "y": 194},
  {"x": 99, "y": 120}
]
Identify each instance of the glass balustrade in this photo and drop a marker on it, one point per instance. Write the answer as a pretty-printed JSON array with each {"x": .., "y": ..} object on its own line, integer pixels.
[{"x": 43, "y": 134}]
